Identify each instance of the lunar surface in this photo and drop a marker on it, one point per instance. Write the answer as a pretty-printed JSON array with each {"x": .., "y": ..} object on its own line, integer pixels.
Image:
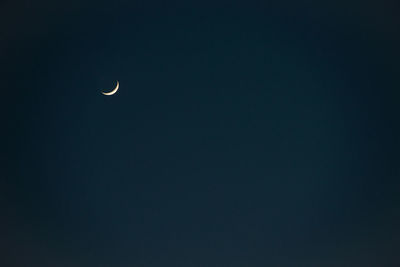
[{"x": 113, "y": 91}]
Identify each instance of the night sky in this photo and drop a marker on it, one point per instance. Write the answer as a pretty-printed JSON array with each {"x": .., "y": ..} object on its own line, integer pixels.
[{"x": 242, "y": 134}]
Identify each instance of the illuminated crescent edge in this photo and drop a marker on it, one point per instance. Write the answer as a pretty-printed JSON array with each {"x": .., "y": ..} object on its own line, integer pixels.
[{"x": 113, "y": 91}]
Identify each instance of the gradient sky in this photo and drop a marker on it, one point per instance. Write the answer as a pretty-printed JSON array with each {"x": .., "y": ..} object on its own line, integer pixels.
[{"x": 242, "y": 135}]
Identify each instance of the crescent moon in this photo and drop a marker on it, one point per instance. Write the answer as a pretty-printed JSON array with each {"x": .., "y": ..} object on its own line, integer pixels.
[{"x": 113, "y": 91}]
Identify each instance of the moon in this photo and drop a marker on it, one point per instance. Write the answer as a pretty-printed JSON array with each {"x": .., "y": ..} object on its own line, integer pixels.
[{"x": 113, "y": 91}]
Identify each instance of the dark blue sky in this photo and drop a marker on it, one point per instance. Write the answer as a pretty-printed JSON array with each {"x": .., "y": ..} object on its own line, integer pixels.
[{"x": 242, "y": 135}]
